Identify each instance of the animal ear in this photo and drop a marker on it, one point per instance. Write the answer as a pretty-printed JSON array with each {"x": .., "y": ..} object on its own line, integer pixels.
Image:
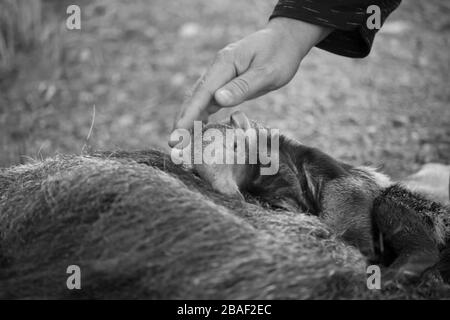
[{"x": 239, "y": 120}]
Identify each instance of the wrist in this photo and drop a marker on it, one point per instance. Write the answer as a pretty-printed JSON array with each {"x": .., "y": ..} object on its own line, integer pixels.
[{"x": 302, "y": 34}]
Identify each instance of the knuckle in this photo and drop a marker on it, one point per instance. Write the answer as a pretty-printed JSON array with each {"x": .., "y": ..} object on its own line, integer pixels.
[
  {"x": 268, "y": 71},
  {"x": 201, "y": 82},
  {"x": 204, "y": 86},
  {"x": 199, "y": 85},
  {"x": 240, "y": 86},
  {"x": 273, "y": 77},
  {"x": 225, "y": 55}
]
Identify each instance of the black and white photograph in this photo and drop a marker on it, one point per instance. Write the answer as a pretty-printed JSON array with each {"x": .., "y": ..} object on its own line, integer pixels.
[{"x": 240, "y": 152}]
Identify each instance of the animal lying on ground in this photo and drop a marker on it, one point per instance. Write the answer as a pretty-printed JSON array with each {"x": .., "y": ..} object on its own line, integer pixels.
[
  {"x": 362, "y": 206},
  {"x": 139, "y": 226}
]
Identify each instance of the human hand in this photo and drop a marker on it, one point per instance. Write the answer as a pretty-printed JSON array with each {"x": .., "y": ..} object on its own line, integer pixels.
[{"x": 261, "y": 62}]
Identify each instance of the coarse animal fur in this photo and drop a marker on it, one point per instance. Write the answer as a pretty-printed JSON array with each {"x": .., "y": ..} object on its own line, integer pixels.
[
  {"x": 358, "y": 203},
  {"x": 308, "y": 180},
  {"x": 139, "y": 226},
  {"x": 413, "y": 232}
]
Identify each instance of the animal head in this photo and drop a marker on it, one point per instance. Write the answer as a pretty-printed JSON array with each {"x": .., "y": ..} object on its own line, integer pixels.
[
  {"x": 294, "y": 185},
  {"x": 260, "y": 150},
  {"x": 238, "y": 155},
  {"x": 226, "y": 162}
]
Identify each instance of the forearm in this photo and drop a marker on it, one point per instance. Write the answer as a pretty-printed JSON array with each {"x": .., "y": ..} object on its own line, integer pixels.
[
  {"x": 348, "y": 18},
  {"x": 305, "y": 35}
]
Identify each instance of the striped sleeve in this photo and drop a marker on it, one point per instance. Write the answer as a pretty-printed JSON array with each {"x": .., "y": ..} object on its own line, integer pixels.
[{"x": 351, "y": 36}]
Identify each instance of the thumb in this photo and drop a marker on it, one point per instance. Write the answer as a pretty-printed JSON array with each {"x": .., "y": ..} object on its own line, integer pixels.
[{"x": 248, "y": 85}]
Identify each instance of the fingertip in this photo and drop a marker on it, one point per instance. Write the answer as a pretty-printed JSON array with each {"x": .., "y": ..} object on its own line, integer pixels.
[
  {"x": 174, "y": 138},
  {"x": 172, "y": 143},
  {"x": 178, "y": 140}
]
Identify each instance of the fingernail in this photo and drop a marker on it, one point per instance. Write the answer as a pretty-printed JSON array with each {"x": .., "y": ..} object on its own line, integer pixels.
[
  {"x": 179, "y": 138},
  {"x": 225, "y": 97},
  {"x": 174, "y": 138}
]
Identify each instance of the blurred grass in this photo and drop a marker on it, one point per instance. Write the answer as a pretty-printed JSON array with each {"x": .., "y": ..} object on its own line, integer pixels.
[
  {"x": 135, "y": 59},
  {"x": 20, "y": 22}
]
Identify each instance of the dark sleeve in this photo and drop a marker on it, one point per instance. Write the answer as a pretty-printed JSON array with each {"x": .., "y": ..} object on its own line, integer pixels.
[{"x": 351, "y": 36}]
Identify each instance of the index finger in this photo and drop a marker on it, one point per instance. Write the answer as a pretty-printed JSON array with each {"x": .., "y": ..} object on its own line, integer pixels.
[{"x": 196, "y": 106}]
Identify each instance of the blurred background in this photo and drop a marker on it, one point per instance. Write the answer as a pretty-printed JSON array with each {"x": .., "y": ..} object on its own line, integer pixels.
[{"x": 134, "y": 61}]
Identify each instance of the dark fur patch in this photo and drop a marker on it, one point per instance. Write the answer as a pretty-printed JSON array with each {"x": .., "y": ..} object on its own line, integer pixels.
[
  {"x": 408, "y": 223},
  {"x": 431, "y": 213},
  {"x": 303, "y": 171}
]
